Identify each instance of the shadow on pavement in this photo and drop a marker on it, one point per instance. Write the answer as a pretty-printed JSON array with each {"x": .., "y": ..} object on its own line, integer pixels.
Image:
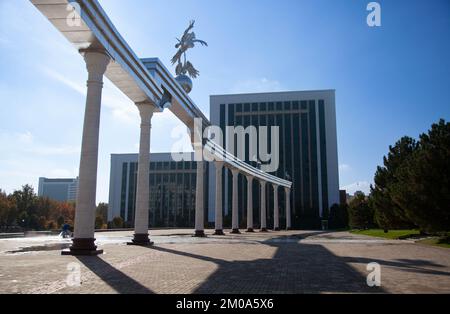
[
  {"x": 116, "y": 279},
  {"x": 295, "y": 268},
  {"x": 409, "y": 265}
]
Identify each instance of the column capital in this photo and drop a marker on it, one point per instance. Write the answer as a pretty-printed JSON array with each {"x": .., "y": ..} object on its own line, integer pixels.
[
  {"x": 263, "y": 183},
  {"x": 219, "y": 165},
  {"x": 275, "y": 186},
  {"x": 250, "y": 178},
  {"x": 288, "y": 190},
  {"x": 235, "y": 171},
  {"x": 96, "y": 63},
  {"x": 146, "y": 110}
]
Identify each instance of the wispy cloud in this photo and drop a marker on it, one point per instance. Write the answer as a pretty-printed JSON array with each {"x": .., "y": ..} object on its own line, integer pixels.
[
  {"x": 363, "y": 186},
  {"x": 121, "y": 107},
  {"x": 25, "y": 143},
  {"x": 63, "y": 80},
  {"x": 256, "y": 86},
  {"x": 344, "y": 167}
]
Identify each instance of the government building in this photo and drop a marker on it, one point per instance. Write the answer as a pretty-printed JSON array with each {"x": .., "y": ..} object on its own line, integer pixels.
[
  {"x": 307, "y": 156},
  {"x": 172, "y": 190},
  {"x": 307, "y": 150}
]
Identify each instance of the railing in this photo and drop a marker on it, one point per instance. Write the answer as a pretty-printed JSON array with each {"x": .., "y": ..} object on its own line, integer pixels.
[{"x": 220, "y": 154}]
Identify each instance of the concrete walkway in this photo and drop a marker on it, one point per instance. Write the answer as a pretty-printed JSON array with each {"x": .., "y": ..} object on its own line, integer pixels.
[{"x": 276, "y": 262}]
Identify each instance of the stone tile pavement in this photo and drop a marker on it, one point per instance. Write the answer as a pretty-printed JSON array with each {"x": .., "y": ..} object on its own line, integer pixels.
[{"x": 272, "y": 263}]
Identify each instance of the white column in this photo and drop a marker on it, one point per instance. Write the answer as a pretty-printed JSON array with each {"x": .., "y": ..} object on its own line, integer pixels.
[
  {"x": 249, "y": 204},
  {"x": 219, "y": 212},
  {"x": 235, "y": 205},
  {"x": 199, "y": 201},
  {"x": 276, "y": 213},
  {"x": 143, "y": 189},
  {"x": 84, "y": 242},
  {"x": 263, "y": 207},
  {"x": 288, "y": 208}
]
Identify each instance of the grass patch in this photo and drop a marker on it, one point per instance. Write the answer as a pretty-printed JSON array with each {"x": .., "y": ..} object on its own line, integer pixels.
[
  {"x": 441, "y": 242},
  {"x": 391, "y": 234}
]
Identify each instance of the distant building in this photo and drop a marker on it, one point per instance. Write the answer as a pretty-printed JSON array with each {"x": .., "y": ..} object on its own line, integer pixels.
[
  {"x": 172, "y": 190},
  {"x": 63, "y": 190},
  {"x": 343, "y": 197}
]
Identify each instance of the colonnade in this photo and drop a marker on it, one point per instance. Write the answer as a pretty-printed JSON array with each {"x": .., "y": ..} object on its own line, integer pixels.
[
  {"x": 219, "y": 165},
  {"x": 84, "y": 242}
]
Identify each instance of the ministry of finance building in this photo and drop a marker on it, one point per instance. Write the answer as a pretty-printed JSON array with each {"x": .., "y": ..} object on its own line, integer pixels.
[{"x": 307, "y": 150}]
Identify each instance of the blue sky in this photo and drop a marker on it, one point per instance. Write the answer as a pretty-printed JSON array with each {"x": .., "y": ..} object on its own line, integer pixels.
[{"x": 390, "y": 81}]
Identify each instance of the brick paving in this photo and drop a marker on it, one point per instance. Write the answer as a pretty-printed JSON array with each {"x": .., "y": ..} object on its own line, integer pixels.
[{"x": 273, "y": 263}]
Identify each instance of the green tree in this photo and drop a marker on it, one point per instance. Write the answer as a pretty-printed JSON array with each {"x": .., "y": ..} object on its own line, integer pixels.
[
  {"x": 338, "y": 217},
  {"x": 8, "y": 211},
  {"x": 361, "y": 215},
  {"x": 26, "y": 200},
  {"x": 388, "y": 214},
  {"x": 117, "y": 223},
  {"x": 60, "y": 221},
  {"x": 422, "y": 190},
  {"x": 99, "y": 222},
  {"x": 102, "y": 210}
]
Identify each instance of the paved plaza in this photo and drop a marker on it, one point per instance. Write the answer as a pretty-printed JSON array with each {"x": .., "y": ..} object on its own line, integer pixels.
[{"x": 270, "y": 263}]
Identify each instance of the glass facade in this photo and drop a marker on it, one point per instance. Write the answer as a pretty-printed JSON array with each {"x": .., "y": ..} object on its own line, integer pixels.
[
  {"x": 172, "y": 193},
  {"x": 303, "y": 157}
]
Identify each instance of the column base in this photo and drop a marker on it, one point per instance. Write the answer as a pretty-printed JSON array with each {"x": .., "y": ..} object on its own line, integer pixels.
[
  {"x": 219, "y": 232},
  {"x": 263, "y": 230},
  {"x": 82, "y": 247},
  {"x": 250, "y": 230},
  {"x": 141, "y": 240},
  {"x": 276, "y": 229},
  {"x": 287, "y": 229},
  {"x": 199, "y": 234},
  {"x": 235, "y": 231}
]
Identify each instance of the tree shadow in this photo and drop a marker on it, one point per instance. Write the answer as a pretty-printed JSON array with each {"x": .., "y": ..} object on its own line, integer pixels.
[
  {"x": 294, "y": 268},
  {"x": 409, "y": 265},
  {"x": 116, "y": 279}
]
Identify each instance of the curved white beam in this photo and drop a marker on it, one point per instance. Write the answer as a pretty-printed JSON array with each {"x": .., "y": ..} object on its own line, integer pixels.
[
  {"x": 222, "y": 155},
  {"x": 96, "y": 31},
  {"x": 140, "y": 80}
]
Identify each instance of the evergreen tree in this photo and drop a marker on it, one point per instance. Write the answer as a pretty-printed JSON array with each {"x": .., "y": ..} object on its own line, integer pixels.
[
  {"x": 388, "y": 214},
  {"x": 422, "y": 189},
  {"x": 338, "y": 218},
  {"x": 361, "y": 215}
]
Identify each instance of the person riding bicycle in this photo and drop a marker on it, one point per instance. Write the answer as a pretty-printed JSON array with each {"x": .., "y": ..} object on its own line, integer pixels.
[{"x": 66, "y": 231}]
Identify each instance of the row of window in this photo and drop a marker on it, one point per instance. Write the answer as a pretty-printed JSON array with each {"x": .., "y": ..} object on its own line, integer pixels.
[
  {"x": 172, "y": 194},
  {"x": 271, "y": 106},
  {"x": 173, "y": 165}
]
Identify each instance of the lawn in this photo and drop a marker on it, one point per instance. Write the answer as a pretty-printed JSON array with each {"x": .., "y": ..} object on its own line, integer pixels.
[
  {"x": 391, "y": 234},
  {"x": 442, "y": 242}
]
